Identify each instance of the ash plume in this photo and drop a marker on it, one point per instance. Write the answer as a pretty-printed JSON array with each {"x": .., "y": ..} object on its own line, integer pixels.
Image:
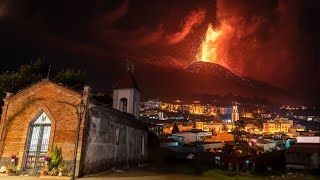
[{"x": 194, "y": 19}]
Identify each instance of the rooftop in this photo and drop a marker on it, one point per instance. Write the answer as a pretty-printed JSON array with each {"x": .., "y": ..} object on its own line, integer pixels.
[
  {"x": 305, "y": 148},
  {"x": 126, "y": 82}
]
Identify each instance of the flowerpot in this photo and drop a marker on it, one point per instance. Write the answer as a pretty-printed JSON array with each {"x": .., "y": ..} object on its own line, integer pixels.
[
  {"x": 8, "y": 170},
  {"x": 43, "y": 172},
  {"x": 60, "y": 174},
  {"x": 46, "y": 162},
  {"x": 13, "y": 160}
]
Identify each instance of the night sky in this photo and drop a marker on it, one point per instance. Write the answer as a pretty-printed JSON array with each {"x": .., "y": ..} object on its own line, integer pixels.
[{"x": 273, "y": 41}]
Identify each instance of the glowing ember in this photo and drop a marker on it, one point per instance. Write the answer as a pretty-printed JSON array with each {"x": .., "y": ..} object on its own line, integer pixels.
[{"x": 208, "y": 51}]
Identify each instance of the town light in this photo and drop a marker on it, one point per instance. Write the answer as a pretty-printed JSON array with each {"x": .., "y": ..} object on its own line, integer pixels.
[{"x": 80, "y": 110}]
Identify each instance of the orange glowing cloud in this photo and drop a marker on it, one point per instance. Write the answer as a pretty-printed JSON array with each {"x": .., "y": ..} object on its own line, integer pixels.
[{"x": 194, "y": 19}]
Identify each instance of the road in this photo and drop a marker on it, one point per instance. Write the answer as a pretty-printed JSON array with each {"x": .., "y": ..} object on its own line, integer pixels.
[{"x": 160, "y": 177}]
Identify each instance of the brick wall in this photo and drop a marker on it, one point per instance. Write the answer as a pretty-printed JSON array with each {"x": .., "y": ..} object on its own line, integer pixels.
[{"x": 59, "y": 105}]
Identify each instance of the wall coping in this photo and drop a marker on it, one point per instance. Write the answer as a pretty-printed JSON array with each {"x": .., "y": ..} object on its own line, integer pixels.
[{"x": 39, "y": 84}]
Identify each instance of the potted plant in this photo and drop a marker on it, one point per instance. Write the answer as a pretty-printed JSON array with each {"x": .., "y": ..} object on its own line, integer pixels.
[
  {"x": 8, "y": 170},
  {"x": 13, "y": 158},
  {"x": 55, "y": 161},
  {"x": 60, "y": 169},
  {"x": 43, "y": 172}
]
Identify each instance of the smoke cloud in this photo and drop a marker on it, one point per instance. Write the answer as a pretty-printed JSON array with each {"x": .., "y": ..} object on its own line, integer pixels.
[
  {"x": 110, "y": 17},
  {"x": 194, "y": 19},
  {"x": 149, "y": 38},
  {"x": 142, "y": 36},
  {"x": 255, "y": 45},
  {"x": 3, "y": 8},
  {"x": 270, "y": 40}
]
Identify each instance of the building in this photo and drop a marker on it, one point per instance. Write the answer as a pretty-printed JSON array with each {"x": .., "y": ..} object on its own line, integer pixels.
[
  {"x": 224, "y": 136},
  {"x": 156, "y": 129},
  {"x": 304, "y": 154},
  {"x": 278, "y": 125},
  {"x": 151, "y": 105},
  {"x": 44, "y": 115},
  {"x": 218, "y": 127},
  {"x": 247, "y": 115},
  {"x": 187, "y": 137},
  {"x": 235, "y": 114},
  {"x": 252, "y": 128},
  {"x": 152, "y": 114},
  {"x": 126, "y": 95},
  {"x": 296, "y": 131},
  {"x": 271, "y": 145},
  {"x": 225, "y": 110}
]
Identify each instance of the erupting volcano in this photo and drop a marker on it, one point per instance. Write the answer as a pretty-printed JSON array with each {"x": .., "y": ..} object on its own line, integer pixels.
[{"x": 208, "y": 49}]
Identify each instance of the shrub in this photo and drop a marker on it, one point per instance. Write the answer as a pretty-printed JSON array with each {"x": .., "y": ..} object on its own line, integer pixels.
[{"x": 55, "y": 158}]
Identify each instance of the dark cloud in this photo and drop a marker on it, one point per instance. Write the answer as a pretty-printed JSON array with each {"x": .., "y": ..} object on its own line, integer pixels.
[
  {"x": 4, "y": 8},
  {"x": 271, "y": 40},
  {"x": 110, "y": 17}
]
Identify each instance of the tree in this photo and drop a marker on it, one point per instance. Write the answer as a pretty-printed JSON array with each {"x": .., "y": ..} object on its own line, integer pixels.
[
  {"x": 238, "y": 133},
  {"x": 70, "y": 77},
  {"x": 175, "y": 129},
  {"x": 224, "y": 128},
  {"x": 213, "y": 131},
  {"x": 218, "y": 111},
  {"x": 13, "y": 81}
]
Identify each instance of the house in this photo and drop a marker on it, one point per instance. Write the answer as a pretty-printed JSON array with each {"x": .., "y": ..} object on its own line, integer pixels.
[
  {"x": 186, "y": 137},
  {"x": 278, "y": 125},
  {"x": 218, "y": 127},
  {"x": 272, "y": 145},
  {"x": 304, "y": 154},
  {"x": 44, "y": 115}
]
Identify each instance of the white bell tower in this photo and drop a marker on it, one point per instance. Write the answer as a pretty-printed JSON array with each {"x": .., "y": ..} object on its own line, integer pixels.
[
  {"x": 235, "y": 113},
  {"x": 126, "y": 94}
]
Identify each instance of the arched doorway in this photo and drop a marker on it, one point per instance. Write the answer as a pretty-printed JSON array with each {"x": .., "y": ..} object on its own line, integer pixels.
[
  {"x": 123, "y": 104},
  {"x": 37, "y": 143}
]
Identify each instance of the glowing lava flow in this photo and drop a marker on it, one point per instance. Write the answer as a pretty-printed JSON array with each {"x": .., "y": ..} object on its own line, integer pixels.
[{"x": 208, "y": 48}]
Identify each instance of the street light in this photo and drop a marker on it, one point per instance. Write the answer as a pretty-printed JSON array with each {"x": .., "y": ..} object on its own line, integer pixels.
[{"x": 80, "y": 111}]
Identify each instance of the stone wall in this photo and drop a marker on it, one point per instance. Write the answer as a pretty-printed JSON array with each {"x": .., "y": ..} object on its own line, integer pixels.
[{"x": 114, "y": 140}]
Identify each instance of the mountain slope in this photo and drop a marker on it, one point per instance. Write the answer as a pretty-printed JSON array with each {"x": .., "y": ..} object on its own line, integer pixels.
[{"x": 199, "y": 78}]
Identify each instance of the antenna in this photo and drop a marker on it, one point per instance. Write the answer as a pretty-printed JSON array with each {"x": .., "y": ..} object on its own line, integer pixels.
[
  {"x": 129, "y": 66},
  {"x": 48, "y": 75}
]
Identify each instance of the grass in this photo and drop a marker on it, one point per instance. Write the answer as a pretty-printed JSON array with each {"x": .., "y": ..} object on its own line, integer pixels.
[
  {"x": 219, "y": 174},
  {"x": 187, "y": 171}
]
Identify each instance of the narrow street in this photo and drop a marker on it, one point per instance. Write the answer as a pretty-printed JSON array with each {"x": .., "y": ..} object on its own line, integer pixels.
[{"x": 160, "y": 177}]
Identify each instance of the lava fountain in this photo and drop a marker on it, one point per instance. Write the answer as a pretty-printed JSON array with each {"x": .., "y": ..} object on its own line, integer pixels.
[{"x": 208, "y": 49}]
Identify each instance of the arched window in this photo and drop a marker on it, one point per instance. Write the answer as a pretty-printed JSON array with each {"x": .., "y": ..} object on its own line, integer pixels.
[
  {"x": 123, "y": 104},
  {"x": 38, "y": 141}
]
